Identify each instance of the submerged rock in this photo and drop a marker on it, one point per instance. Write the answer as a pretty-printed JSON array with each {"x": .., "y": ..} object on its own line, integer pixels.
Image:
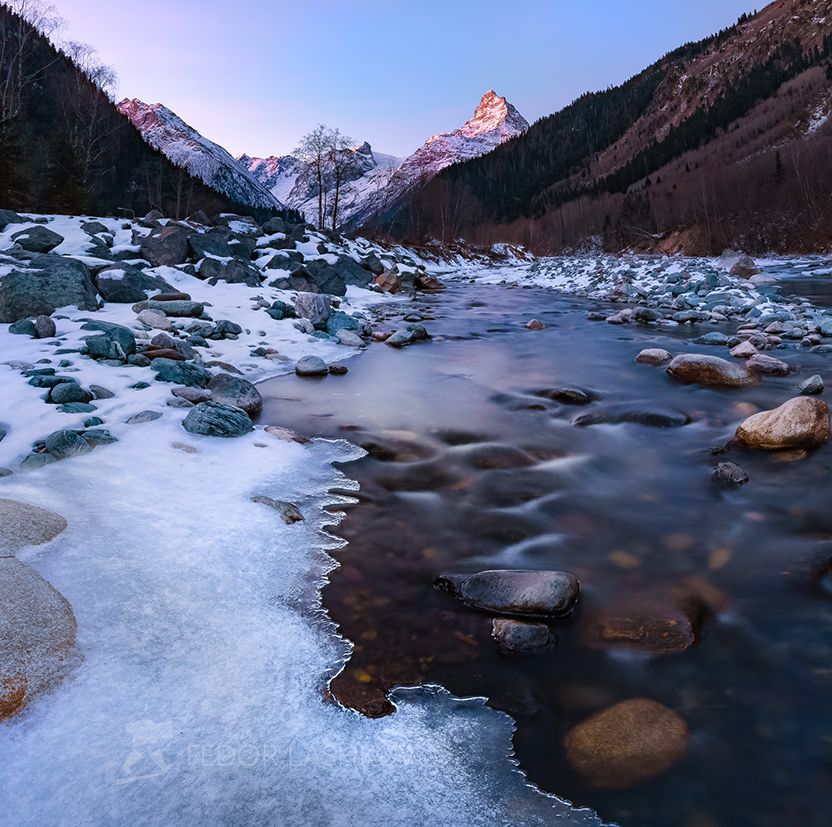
[
  {"x": 802, "y": 422},
  {"x": 729, "y": 475},
  {"x": 813, "y": 385},
  {"x": 522, "y": 636},
  {"x": 531, "y": 593},
  {"x": 628, "y": 743}
]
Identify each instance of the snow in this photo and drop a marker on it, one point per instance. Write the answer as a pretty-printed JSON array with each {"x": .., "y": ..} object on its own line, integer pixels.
[{"x": 200, "y": 696}]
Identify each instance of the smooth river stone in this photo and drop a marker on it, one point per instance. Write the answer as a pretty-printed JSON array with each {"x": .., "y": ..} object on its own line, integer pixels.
[{"x": 802, "y": 422}]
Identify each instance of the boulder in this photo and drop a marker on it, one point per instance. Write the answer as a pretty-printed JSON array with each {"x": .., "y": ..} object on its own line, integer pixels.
[
  {"x": 155, "y": 319},
  {"x": 37, "y": 632},
  {"x": 811, "y": 386},
  {"x": 24, "y": 525},
  {"x": 744, "y": 267},
  {"x": 521, "y": 635},
  {"x": 181, "y": 373},
  {"x": 38, "y": 239},
  {"x": 65, "y": 444},
  {"x": 275, "y": 225},
  {"x": 231, "y": 271},
  {"x": 627, "y": 744},
  {"x": 313, "y": 306},
  {"x": 242, "y": 225},
  {"x": 348, "y": 338},
  {"x": 94, "y": 228},
  {"x": 45, "y": 327},
  {"x": 125, "y": 284},
  {"x": 423, "y": 281},
  {"x": 311, "y": 366},
  {"x": 232, "y": 390},
  {"x": 400, "y": 338},
  {"x": 744, "y": 350},
  {"x": 23, "y": 327},
  {"x": 175, "y": 307},
  {"x": 767, "y": 366},
  {"x": 802, "y": 422},
  {"x": 653, "y": 356},
  {"x": 166, "y": 246},
  {"x": 209, "y": 244},
  {"x": 530, "y": 593},
  {"x": 709, "y": 370},
  {"x": 116, "y": 342},
  {"x": 373, "y": 263},
  {"x": 68, "y": 392},
  {"x": 389, "y": 281},
  {"x": 55, "y": 282},
  {"x": 9, "y": 217},
  {"x": 652, "y": 416},
  {"x": 214, "y": 419}
]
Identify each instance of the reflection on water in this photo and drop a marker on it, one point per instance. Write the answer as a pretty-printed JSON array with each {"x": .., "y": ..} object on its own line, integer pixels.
[{"x": 474, "y": 464}]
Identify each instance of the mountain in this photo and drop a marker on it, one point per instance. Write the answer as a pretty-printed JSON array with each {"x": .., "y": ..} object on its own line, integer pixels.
[
  {"x": 65, "y": 147},
  {"x": 380, "y": 183},
  {"x": 723, "y": 142},
  {"x": 184, "y": 146}
]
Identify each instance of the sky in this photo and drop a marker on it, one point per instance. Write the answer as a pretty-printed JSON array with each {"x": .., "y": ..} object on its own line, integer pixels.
[{"x": 256, "y": 75}]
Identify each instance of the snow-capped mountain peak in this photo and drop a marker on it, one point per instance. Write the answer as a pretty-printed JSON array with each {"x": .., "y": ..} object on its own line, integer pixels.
[
  {"x": 495, "y": 114},
  {"x": 184, "y": 146}
]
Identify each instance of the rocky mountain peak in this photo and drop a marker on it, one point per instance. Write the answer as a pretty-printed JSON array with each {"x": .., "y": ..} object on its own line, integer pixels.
[{"x": 494, "y": 113}]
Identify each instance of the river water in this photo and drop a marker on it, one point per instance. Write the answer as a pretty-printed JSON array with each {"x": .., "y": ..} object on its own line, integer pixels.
[{"x": 472, "y": 466}]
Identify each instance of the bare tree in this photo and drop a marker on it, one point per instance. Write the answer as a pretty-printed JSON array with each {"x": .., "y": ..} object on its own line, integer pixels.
[
  {"x": 341, "y": 165},
  {"x": 313, "y": 150},
  {"x": 18, "y": 35}
]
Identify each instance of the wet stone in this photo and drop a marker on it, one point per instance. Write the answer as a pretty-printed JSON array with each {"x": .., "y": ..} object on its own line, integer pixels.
[
  {"x": 522, "y": 636},
  {"x": 729, "y": 475}
]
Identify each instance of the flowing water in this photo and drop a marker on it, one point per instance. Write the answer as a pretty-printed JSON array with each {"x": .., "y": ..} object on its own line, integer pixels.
[{"x": 473, "y": 466}]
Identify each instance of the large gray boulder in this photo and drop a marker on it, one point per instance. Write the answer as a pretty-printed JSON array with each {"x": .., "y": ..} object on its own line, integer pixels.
[
  {"x": 802, "y": 422},
  {"x": 9, "y": 217},
  {"x": 710, "y": 371},
  {"x": 527, "y": 593},
  {"x": 313, "y": 306},
  {"x": 169, "y": 245},
  {"x": 214, "y": 419},
  {"x": 209, "y": 244},
  {"x": 126, "y": 284},
  {"x": 65, "y": 444},
  {"x": 53, "y": 282},
  {"x": 232, "y": 390},
  {"x": 232, "y": 271},
  {"x": 37, "y": 632},
  {"x": 37, "y": 239},
  {"x": 181, "y": 373},
  {"x": 242, "y": 225}
]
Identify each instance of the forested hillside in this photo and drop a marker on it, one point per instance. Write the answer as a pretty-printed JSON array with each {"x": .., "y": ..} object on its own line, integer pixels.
[
  {"x": 721, "y": 142},
  {"x": 65, "y": 148}
]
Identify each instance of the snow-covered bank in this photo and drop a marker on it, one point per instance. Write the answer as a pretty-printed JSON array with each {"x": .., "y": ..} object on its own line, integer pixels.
[{"x": 200, "y": 698}]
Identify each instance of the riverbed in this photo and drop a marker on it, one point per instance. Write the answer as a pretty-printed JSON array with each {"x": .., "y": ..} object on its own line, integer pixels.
[{"x": 475, "y": 462}]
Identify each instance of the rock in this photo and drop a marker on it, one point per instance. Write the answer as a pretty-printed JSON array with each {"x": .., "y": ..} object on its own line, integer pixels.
[
  {"x": 729, "y": 475},
  {"x": 166, "y": 246},
  {"x": 566, "y": 396},
  {"x": 242, "y": 225},
  {"x": 45, "y": 327},
  {"x": 767, "y": 366},
  {"x": 653, "y": 356},
  {"x": 338, "y": 370},
  {"x": 231, "y": 390},
  {"x": 37, "y": 632},
  {"x": 181, "y": 446},
  {"x": 232, "y": 271},
  {"x": 373, "y": 263},
  {"x": 289, "y": 513},
  {"x": 389, "y": 281},
  {"x": 24, "y": 525},
  {"x": 745, "y": 350},
  {"x": 709, "y": 370},
  {"x": 68, "y": 392},
  {"x": 24, "y": 327},
  {"x": 522, "y": 636},
  {"x": 348, "y": 338},
  {"x": 35, "y": 461},
  {"x": 195, "y": 395},
  {"x": 209, "y": 244},
  {"x": 161, "y": 353},
  {"x": 311, "y": 366},
  {"x": 65, "y": 444},
  {"x": 286, "y": 435},
  {"x": 100, "y": 393},
  {"x": 171, "y": 297},
  {"x": 535, "y": 324},
  {"x": 813, "y": 385},
  {"x": 744, "y": 268},
  {"x": 181, "y": 373},
  {"x": 400, "y": 338},
  {"x": 56, "y": 282},
  {"x": 163, "y": 342},
  {"x": 631, "y": 742},
  {"x": 172, "y": 307},
  {"x": 179, "y": 403},
  {"x": 94, "y": 228},
  {"x": 712, "y": 338},
  {"x": 313, "y": 306},
  {"x": 125, "y": 284},
  {"x": 531, "y": 593},
  {"x": 656, "y": 626},
  {"x": 114, "y": 343},
  {"x": 9, "y": 217},
  {"x": 802, "y": 422},
  {"x": 37, "y": 239},
  {"x": 213, "y": 419},
  {"x": 76, "y": 407},
  {"x": 144, "y": 416},
  {"x": 155, "y": 319},
  {"x": 645, "y": 315},
  {"x": 423, "y": 281},
  {"x": 651, "y": 416}
]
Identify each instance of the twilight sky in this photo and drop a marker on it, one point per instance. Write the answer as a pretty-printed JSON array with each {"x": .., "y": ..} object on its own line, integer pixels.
[{"x": 255, "y": 75}]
